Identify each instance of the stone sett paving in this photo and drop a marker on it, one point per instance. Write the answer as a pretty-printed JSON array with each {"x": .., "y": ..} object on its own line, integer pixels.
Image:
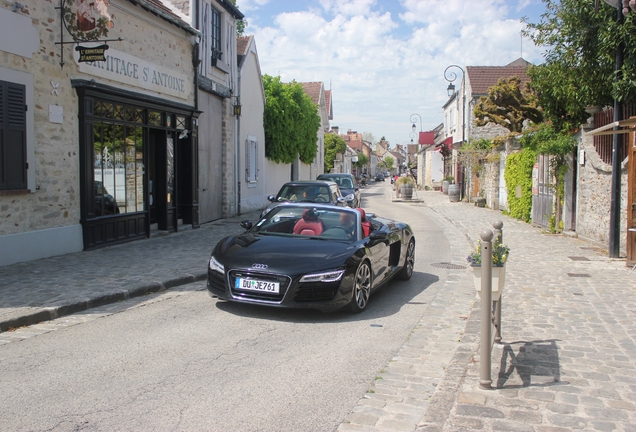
[{"x": 567, "y": 360}]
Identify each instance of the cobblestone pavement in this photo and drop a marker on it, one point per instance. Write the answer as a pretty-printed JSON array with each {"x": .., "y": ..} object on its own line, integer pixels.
[{"x": 567, "y": 358}]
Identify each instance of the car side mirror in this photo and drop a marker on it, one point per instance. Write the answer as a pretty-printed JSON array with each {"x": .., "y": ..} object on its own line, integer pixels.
[
  {"x": 378, "y": 235},
  {"x": 271, "y": 198},
  {"x": 246, "y": 224}
]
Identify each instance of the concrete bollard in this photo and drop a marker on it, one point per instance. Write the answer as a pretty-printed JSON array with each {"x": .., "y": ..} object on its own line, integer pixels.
[{"x": 485, "y": 380}]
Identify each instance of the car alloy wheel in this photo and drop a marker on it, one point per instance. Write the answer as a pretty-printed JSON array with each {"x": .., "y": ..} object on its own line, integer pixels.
[
  {"x": 409, "y": 262},
  {"x": 361, "y": 288}
]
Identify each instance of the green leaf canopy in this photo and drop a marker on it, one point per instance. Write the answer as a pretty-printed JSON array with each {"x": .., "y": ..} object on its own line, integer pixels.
[{"x": 291, "y": 122}]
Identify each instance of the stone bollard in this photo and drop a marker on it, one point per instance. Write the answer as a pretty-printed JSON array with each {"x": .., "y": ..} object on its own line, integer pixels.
[{"x": 485, "y": 345}]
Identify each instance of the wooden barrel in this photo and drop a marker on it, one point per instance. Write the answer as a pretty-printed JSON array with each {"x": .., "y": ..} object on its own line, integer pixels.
[
  {"x": 445, "y": 185},
  {"x": 407, "y": 191},
  {"x": 453, "y": 192}
]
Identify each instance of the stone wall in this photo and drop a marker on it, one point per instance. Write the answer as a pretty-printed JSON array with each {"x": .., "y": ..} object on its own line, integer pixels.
[{"x": 593, "y": 199}]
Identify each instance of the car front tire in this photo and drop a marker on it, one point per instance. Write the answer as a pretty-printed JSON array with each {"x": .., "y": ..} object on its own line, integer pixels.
[{"x": 361, "y": 288}]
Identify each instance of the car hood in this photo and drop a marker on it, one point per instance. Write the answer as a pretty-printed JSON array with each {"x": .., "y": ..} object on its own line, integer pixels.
[
  {"x": 288, "y": 255},
  {"x": 347, "y": 191}
]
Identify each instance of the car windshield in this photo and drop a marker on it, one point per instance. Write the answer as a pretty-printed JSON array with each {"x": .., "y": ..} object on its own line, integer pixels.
[
  {"x": 308, "y": 193},
  {"x": 342, "y": 182},
  {"x": 345, "y": 183},
  {"x": 336, "y": 223}
]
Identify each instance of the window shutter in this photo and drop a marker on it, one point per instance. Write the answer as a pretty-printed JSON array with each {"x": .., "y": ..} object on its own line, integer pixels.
[
  {"x": 13, "y": 172},
  {"x": 251, "y": 161},
  {"x": 247, "y": 161}
]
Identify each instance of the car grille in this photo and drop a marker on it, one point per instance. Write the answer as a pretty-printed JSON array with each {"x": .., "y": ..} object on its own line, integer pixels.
[
  {"x": 316, "y": 291},
  {"x": 284, "y": 282},
  {"x": 216, "y": 281}
]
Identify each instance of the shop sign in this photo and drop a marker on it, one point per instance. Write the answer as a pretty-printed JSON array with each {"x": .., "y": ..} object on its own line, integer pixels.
[
  {"x": 128, "y": 69},
  {"x": 91, "y": 54},
  {"x": 87, "y": 20}
]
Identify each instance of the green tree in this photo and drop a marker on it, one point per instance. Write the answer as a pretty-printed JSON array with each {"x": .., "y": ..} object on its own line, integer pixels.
[
  {"x": 333, "y": 144},
  {"x": 508, "y": 105},
  {"x": 291, "y": 122},
  {"x": 363, "y": 160},
  {"x": 581, "y": 39},
  {"x": 388, "y": 162}
]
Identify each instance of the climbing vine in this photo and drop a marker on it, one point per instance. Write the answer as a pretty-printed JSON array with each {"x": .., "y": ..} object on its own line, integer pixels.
[{"x": 518, "y": 175}]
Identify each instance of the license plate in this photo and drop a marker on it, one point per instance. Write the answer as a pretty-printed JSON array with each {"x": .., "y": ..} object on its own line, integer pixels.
[{"x": 256, "y": 285}]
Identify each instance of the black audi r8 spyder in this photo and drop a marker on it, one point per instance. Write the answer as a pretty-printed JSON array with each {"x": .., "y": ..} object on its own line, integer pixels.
[{"x": 309, "y": 255}]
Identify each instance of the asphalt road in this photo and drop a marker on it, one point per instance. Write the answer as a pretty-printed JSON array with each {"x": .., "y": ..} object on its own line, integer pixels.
[{"x": 184, "y": 361}]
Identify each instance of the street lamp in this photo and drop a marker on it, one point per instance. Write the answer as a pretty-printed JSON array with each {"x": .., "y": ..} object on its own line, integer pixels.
[
  {"x": 451, "y": 77},
  {"x": 413, "y": 119}
]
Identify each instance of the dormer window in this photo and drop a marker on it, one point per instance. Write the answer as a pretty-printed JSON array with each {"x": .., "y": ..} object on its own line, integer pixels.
[{"x": 215, "y": 34}]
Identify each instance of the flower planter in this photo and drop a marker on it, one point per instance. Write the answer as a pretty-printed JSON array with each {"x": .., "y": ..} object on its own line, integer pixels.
[{"x": 498, "y": 281}]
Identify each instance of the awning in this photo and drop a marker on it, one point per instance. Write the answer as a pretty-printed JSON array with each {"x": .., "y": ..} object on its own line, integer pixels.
[{"x": 608, "y": 129}]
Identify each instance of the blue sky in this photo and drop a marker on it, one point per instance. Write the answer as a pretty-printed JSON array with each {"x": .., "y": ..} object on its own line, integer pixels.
[{"x": 384, "y": 59}]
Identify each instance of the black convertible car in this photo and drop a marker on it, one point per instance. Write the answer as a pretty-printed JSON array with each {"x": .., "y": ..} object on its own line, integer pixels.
[{"x": 309, "y": 255}]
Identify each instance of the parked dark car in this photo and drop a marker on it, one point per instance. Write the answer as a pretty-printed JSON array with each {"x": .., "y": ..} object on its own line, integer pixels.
[
  {"x": 379, "y": 177},
  {"x": 348, "y": 186},
  {"x": 105, "y": 203},
  {"x": 307, "y": 191},
  {"x": 309, "y": 255}
]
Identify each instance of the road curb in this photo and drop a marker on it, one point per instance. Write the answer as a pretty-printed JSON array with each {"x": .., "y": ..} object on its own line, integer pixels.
[{"x": 51, "y": 313}]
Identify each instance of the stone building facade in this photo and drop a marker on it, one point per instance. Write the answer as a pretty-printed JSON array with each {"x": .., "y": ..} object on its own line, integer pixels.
[{"x": 103, "y": 151}]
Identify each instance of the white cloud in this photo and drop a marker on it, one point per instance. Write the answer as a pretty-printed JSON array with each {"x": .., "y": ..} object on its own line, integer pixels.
[{"x": 385, "y": 62}]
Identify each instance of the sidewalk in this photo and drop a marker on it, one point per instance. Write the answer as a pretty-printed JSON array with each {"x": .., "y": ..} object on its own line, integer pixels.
[
  {"x": 568, "y": 355},
  {"x": 53, "y": 287}
]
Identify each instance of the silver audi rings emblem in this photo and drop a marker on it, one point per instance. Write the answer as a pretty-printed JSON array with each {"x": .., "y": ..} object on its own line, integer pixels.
[{"x": 259, "y": 266}]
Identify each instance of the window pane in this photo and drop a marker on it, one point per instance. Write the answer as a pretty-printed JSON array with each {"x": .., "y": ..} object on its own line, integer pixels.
[
  {"x": 216, "y": 34},
  {"x": 134, "y": 172},
  {"x": 103, "y": 175},
  {"x": 154, "y": 118},
  {"x": 170, "y": 171}
]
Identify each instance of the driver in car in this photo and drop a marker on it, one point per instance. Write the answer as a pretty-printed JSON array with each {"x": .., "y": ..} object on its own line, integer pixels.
[{"x": 348, "y": 223}]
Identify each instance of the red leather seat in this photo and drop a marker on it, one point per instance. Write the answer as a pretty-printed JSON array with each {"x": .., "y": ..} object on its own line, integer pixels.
[
  {"x": 309, "y": 224},
  {"x": 366, "y": 225}
]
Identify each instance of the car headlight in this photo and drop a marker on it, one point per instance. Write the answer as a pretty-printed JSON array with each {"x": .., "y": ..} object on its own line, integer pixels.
[
  {"x": 329, "y": 276},
  {"x": 216, "y": 266}
]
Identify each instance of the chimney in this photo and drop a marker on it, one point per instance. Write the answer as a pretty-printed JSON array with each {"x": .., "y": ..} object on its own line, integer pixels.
[{"x": 336, "y": 130}]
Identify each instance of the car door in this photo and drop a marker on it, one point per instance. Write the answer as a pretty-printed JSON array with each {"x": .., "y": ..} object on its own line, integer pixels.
[{"x": 378, "y": 246}]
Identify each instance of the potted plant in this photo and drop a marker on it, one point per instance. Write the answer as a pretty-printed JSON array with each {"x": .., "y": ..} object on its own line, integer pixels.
[
  {"x": 499, "y": 257},
  {"x": 404, "y": 186}
]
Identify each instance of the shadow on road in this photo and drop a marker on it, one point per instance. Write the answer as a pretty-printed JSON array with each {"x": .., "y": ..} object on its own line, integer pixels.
[{"x": 387, "y": 301}]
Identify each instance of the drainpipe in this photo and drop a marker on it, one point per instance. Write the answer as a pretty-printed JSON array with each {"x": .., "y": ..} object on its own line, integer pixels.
[
  {"x": 237, "y": 156},
  {"x": 237, "y": 153}
]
